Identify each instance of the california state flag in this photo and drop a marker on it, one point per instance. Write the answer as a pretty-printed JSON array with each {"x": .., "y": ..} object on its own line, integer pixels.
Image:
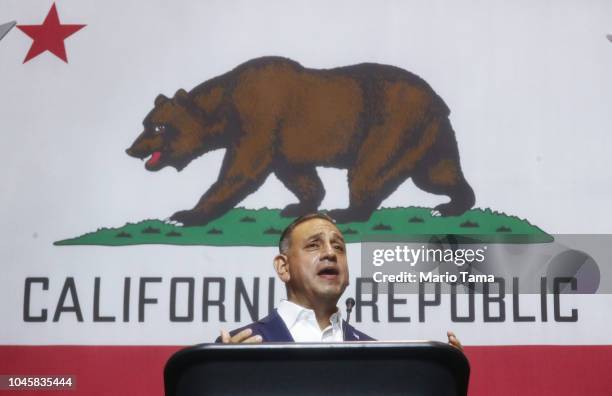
[{"x": 111, "y": 264}]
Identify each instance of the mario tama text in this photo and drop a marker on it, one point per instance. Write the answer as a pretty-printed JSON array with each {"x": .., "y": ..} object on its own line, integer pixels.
[
  {"x": 431, "y": 277},
  {"x": 71, "y": 300},
  {"x": 459, "y": 261},
  {"x": 414, "y": 263}
]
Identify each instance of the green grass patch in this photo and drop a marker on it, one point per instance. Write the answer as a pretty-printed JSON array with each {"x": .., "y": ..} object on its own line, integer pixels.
[{"x": 262, "y": 227}]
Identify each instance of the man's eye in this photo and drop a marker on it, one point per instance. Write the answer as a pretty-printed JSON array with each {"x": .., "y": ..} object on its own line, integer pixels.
[
  {"x": 158, "y": 129},
  {"x": 312, "y": 245},
  {"x": 340, "y": 248}
]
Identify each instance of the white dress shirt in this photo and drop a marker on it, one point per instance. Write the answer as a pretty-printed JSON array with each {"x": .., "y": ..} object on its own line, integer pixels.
[{"x": 303, "y": 326}]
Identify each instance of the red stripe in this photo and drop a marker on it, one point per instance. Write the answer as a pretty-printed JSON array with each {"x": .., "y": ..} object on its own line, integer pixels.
[
  {"x": 99, "y": 370},
  {"x": 541, "y": 370},
  {"x": 496, "y": 370}
]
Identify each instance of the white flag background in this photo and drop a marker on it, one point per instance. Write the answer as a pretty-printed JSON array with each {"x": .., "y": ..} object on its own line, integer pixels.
[{"x": 529, "y": 85}]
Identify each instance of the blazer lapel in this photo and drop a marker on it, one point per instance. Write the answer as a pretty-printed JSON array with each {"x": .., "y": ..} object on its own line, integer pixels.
[
  {"x": 274, "y": 329},
  {"x": 349, "y": 332}
]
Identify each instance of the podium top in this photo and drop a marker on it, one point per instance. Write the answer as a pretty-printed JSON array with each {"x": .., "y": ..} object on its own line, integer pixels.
[{"x": 355, "y": 368}]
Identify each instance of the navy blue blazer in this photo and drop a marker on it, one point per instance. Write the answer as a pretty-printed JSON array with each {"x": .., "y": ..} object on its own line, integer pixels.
[{"x": 273, "y": 329}]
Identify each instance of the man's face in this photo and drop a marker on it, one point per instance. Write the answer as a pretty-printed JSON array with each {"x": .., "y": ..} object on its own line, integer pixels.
[{"x": 317, "y": 265}]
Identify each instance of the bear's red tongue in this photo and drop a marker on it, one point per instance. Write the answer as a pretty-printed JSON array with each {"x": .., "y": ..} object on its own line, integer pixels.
[{"x": 154, "y": 158}]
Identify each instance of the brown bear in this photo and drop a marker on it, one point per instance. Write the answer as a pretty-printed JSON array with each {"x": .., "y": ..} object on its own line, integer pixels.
[{"x": 382, "y": 123}]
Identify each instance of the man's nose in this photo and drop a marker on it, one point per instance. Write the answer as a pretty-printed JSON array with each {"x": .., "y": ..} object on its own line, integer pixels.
[{"x": 329, "y": 252}]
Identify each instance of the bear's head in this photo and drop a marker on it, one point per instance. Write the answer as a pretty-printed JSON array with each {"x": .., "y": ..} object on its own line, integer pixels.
[{"x": 175, "y": 132}]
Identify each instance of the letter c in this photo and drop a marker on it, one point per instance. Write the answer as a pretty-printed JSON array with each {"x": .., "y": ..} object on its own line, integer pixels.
[{"x": 27, "y": 317}]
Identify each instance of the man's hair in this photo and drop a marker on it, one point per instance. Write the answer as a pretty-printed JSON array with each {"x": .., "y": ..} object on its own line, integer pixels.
[{"x": 285, "y": 239}]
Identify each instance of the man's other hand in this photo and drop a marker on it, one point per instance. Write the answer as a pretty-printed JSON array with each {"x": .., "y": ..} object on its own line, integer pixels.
[
  {"x": 453, "y": 340},
  {"x": 244, "y": 337}
]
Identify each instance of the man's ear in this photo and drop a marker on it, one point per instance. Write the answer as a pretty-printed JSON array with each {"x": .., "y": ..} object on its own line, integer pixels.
[{"x": 281, "y": 265}]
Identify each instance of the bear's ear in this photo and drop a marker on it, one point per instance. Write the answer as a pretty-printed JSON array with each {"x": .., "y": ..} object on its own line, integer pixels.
[
  {"x": 160, "y": 100},
  {"x": 181, "y": 97}
]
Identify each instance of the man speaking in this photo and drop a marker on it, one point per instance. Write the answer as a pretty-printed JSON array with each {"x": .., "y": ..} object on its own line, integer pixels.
[{"x": 312, "y": 263}]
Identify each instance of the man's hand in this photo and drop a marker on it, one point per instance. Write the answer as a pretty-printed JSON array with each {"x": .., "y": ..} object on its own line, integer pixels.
[
  {"x": 244, "y": 337},
  {"x": 453, "y": 340}
]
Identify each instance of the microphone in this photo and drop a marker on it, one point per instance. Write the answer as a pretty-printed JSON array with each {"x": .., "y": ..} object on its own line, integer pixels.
[{"x": 350, "y": 303}]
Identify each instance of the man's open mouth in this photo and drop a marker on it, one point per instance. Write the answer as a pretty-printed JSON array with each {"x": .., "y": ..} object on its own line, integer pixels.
[{"x": 328, "y": 272}]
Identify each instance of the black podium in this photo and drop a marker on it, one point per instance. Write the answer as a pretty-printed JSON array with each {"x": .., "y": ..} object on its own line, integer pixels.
[{"x": 300, "y": 369}]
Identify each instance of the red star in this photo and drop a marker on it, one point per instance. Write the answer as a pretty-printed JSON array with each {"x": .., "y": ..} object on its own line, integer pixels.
[{"x": 49, "y": 36}]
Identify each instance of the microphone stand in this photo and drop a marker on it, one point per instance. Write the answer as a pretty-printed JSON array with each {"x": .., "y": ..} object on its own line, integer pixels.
[{"x": 350, "y": 303}]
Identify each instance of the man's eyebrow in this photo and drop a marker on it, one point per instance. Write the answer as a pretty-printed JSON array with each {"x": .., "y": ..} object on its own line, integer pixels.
[
  {"x": 314, "y": 237},
  {"x": 338, "y": 236},
  {"x": 319, "y": 236}
]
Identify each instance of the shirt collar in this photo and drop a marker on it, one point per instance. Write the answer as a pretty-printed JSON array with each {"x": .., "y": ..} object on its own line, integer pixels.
[{"x": 292, "y": 312}]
